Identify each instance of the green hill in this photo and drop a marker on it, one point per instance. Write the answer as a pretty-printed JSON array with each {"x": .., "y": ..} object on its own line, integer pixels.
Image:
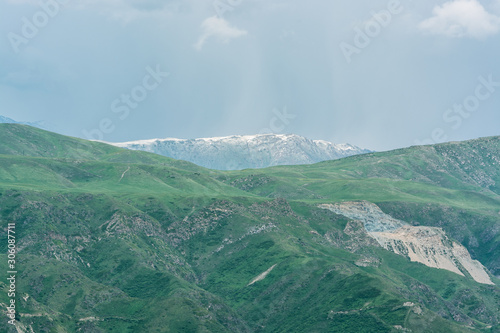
[{"x": 112, "y": 240}]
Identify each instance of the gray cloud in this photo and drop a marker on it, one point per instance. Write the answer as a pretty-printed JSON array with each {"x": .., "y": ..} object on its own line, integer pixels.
[
  {"x": 462, "y": 18},
  {"x": 395, "y": 92}
]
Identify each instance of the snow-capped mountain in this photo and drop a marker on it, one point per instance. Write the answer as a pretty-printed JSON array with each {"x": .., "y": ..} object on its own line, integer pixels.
[
  {"x": 248, "y": 151},
  {"x": 6, "y": 120}
]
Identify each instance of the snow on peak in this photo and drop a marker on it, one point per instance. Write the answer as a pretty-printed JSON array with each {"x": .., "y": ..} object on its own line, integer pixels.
[{"x": 246, "y": 151}]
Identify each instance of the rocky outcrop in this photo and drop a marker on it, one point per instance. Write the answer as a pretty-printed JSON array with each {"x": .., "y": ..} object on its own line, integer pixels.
[
  {"x": 374, "y": 219},
  {"x": 427, "y": 245}
]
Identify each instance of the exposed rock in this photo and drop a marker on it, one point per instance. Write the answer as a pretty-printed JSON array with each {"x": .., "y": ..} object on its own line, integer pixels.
[
  {"x": 373, "y": 218},
  {"x": 354, "y": 238},
  {"x": 427, "y": 245},
  {"x": 262, "y": 276},
  {"x": 368, "y": 262}
]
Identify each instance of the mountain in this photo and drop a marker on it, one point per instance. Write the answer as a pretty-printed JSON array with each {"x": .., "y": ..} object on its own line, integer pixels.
[
  {"x": 246, "y": 152},
  {"x": 6, "y": 120},
  {"x": 116, "y": 240}
]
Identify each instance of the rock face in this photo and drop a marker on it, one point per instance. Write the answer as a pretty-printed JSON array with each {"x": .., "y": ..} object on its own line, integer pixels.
[
  {"x": 374, "y": 219},
  {"x": 249, "y": 151},
  {"x": 427, "y": 245}
]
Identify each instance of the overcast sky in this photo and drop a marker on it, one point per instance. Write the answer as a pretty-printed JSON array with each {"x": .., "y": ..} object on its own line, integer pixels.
[{"x": 378, "y": 74}]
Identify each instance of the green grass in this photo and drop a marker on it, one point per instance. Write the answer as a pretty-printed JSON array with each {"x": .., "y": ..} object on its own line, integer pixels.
[{"x": 172, "y": 247}]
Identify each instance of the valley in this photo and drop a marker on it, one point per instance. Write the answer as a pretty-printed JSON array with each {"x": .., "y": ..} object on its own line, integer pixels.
[{"x": 115, "y": 240}]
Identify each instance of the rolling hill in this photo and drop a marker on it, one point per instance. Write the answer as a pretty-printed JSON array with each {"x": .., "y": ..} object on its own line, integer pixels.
[{"x": 114, "y": 240}]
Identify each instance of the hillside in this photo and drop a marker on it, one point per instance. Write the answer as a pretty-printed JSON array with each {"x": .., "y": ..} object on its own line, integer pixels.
[
  {"x": 454, "y": 186},
  {"x": 114, "y": 240}
]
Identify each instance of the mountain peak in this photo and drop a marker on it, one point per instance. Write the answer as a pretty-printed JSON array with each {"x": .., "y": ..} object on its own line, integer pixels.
[
  {"x": 7, "y": 120},
  {"x": 246, "y": 151}
]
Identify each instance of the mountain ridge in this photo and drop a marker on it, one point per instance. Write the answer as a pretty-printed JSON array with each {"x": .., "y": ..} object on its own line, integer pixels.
[
  {"x": 7, "y": 120},
  {"x": 116, "y": 240},
  {"x": 238, "y": 152}
]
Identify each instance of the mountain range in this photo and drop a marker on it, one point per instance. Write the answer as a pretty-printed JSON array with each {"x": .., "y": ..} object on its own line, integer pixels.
[
  {"x": 7, "y": 120},
  {"x": 117, "y": 240},
  {"x": 246, "y": 151}
]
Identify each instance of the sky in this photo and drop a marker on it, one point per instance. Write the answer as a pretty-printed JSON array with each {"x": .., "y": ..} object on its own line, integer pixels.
[{"x": 378, "y": 74}]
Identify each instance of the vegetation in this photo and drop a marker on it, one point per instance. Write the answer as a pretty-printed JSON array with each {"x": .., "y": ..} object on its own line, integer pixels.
[{"x": 112, "y": 240}]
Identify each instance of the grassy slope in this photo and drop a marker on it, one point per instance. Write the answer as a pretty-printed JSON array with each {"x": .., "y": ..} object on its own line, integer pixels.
[
  {"x": 454, "y": 186},
  {"x": 171, "y": 247}
]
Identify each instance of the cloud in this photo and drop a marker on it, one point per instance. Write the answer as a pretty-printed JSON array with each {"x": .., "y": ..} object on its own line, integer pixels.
[
  {"x": 461, "y": 18},
  {"x": 218, "y": 28}
]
